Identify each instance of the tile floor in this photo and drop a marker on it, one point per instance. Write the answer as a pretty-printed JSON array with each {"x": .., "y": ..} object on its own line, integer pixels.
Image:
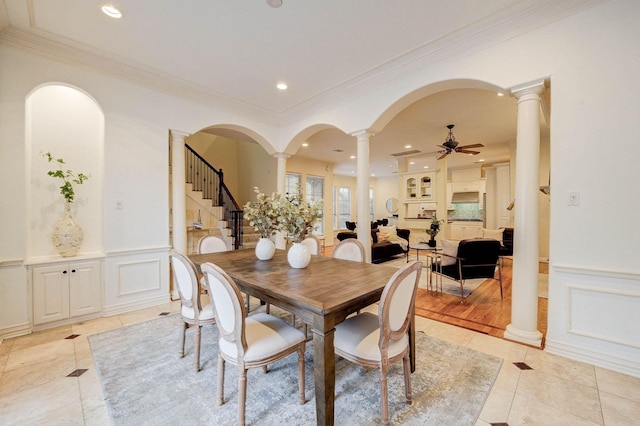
[{"x": 35, "y": 387}]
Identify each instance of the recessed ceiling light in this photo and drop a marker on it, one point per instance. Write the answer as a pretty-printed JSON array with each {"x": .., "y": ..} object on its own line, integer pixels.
[
  {"x": 425, "y": 167},
  {"x": 282, "y": 86},
  {"x": 352, "y": 157},
  {"x": 111, "y": 11},
  {"x": 412, "y": 162},
  {"x": 500, "y": 94},
  {"x": 373, "y": 175},
  {"x": 481, "y": 160},
  {"x": 408, "y": 146},
  {"x": 305, "y": 144}
]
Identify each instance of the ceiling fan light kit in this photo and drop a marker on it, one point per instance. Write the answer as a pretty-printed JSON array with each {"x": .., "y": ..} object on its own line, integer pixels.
[{"x": 451, "y": 145}]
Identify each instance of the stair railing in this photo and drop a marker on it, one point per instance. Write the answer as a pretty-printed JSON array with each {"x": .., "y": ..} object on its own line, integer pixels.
[{"x": 210, "y": 181}]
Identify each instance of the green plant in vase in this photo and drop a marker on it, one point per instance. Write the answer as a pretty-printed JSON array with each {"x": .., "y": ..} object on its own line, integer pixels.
[
  {"x": 67, "y": 235},
  {"x": 433, "y": 230},
  {"x": 68, "y": 177}
]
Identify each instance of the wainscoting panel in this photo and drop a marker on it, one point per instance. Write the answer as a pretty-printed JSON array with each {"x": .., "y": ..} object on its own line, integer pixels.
[
  {"x": 622, "y": 309},
  {"x": 138, "y": 277},
  {"x": 135, "y": 279},
  {"x": 594, "y": 317}
]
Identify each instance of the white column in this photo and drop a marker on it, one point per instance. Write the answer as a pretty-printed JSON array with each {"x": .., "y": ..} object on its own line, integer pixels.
[
  {"x": 178, "y": 204},
  {"x": 281, "y": 176},
  {"x": 362, "y": 196},
  {"x": 524, "y": 304}
]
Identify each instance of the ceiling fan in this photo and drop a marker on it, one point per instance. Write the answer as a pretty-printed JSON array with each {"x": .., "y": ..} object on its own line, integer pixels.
[{"x": 450, "y": 145}]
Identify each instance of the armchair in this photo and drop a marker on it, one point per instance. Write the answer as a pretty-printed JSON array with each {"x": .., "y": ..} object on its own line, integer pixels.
[{"x": 475, "y": 258}]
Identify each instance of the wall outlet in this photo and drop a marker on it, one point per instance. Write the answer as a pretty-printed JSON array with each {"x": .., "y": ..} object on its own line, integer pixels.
[
  {"x": 574, "y": 199},
  {"x": 119, "y": 205}
]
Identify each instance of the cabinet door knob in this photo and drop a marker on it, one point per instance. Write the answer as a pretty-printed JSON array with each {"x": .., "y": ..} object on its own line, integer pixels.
[
  {"x": 73, "y": 270},
  {"x": 64, "y": 272}
]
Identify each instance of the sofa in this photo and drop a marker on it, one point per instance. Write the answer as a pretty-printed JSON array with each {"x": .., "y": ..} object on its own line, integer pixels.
[
  {"x": 383, "y": 250},
  {"x": 506, "y": 249}
]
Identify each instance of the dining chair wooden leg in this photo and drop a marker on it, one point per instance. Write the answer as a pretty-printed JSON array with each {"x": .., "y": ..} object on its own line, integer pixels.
[
  {"x": 301, "y": 373},
  {"x": 242, "y": 393},
  {"x": 182, "y": 338},
  {"x": 196, "y": 354},
  {"x": 407, "y": 378},
  {"x": 220, "y": 392},
  {"x": 384, "y": 397}
]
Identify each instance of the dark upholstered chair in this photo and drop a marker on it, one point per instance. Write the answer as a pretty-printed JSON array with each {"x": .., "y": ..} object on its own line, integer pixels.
[
  {"x": 351, "y": 226},
  {"x": 476, "y": 258}
]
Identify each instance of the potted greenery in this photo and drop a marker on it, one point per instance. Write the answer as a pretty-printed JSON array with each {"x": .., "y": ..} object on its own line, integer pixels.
[
  {"x": 263, "y": 215},
  {"x": 433, "y": 230},
  {"x": 67, "y": 235}
]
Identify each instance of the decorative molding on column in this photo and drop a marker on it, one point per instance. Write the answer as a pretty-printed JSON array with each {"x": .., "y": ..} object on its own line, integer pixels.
[
  {"x": 532, "y": 338},
  {"x": 281, "y": 155},
  {"x": 534, "y": 87}
]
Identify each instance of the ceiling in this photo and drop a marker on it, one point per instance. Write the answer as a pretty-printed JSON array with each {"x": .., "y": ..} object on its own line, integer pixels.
[{"x": 233, "y": 53}]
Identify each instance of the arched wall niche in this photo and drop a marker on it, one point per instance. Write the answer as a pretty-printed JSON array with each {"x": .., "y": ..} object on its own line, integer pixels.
[{"x": 69, "y": 123}]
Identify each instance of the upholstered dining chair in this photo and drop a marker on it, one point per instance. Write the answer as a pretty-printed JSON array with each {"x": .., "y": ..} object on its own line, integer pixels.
[
  {"x": 349, "y": 249},
  {"x": 375, "y": 341},
  {"x": 474, "y": 258},
  {"x": 248, "y": 342},
  {"x": 312, "y": 243},
  {"x": 191, "y": 309},
  {"x": 211, "y": 244}
]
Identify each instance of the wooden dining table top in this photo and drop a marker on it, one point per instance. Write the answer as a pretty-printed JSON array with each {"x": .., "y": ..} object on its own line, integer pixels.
[{"x": 326, "y": 285}]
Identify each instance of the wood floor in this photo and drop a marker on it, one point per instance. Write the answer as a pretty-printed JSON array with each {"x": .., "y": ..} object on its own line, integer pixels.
[{"x": 482, "y": 311}]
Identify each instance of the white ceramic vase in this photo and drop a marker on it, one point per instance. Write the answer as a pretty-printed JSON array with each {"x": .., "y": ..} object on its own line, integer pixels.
[
  {"x": 298, "y": 256},
  {"x": 67, "y": 235},
  {"x": 265, "y": 249}
]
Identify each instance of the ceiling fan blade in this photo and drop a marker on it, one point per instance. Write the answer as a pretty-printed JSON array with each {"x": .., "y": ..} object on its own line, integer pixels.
[
  {"x": 465, "y": 151},
  {"x": 443, "y": 155},
  {"x": 475, "y": 145},
  {"x": 441, "y": 146}
]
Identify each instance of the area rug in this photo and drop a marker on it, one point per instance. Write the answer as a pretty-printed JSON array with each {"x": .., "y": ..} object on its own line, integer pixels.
[
  {"x": 145, "y": 383},
  {"x": 448, "y": 286}
]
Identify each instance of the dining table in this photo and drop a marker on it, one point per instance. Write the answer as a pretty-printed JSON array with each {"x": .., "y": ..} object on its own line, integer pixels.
[{"x": 322, "y": 295}]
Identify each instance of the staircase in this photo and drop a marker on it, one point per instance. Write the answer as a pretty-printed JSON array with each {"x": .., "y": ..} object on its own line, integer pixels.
[{"x": 208, "y": 192}]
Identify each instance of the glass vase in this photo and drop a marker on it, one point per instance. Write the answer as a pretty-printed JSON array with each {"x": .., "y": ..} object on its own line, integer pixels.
[{"x": 67, "y": 235}]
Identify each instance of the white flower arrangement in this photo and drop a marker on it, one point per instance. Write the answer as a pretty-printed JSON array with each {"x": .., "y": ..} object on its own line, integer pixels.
[
  {"x": 291, "y": 215},
  {"x": 264, "y": 213},
  {"x": 297, "y": 218}
]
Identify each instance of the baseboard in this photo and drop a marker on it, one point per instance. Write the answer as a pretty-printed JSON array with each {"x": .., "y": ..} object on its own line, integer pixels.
[
  {"x": 607, "y": 361},
  {"x": 110, "y": 311},
  {"x": 15, "y": 331}
]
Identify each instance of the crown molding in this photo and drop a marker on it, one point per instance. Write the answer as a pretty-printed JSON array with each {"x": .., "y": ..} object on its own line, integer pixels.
[
  {"x": 490, "y": 31},
  {"x": 504, "y": 25},
  {"x": 71, "y": 53}
]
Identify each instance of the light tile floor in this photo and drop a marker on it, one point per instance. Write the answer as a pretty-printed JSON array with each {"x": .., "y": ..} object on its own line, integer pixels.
[{"x": 35, "y": 389}]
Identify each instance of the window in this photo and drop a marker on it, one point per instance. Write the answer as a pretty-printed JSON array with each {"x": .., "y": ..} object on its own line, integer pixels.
[
  {"x": 314, "y": 192},
  {"x": 341, "y": 207},
  {"x": 293, "y": 184},
  {"x": 371, "y": 212}
]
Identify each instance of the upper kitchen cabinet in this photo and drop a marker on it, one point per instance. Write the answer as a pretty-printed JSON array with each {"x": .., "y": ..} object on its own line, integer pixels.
[
  {"x": 420, "y": 187},
  {"x": 465, "y": 175}
]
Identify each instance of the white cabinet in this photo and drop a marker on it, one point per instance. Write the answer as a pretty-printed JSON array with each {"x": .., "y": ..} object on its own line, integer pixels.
[
  {"x": 465, "y": 230},
  {"x": 420, "y": 187},
  {"x": 66, "y": 290},
  {"x": 466, "y": 186},
  {"x": 464, "y": 175}
]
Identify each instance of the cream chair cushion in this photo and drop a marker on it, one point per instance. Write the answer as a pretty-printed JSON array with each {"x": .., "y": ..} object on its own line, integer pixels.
[
  {"x": 359, "y": 336},
  {"x": 266, "y": 336},
  {"x": 450, "y": 248}
]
